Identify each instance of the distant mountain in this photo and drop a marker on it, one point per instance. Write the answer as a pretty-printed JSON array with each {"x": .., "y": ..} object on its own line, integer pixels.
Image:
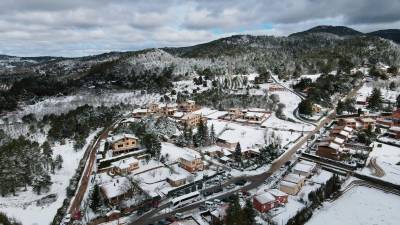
[
  {"x": 337, "y": 30},
  {"x": 391, "y": 34},
  {"x": 238, "y": 54}
]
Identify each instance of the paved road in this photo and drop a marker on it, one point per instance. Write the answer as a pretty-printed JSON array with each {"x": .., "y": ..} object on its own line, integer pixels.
[{"x": 84, "y": 181}]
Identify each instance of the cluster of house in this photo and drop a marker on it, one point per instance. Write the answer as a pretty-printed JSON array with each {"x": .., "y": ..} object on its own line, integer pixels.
[
  {"x": 290, "y": 184},
  {"x": 182, "y": 112},
  {"x": 251, "y": 115},
  {"x": 333, "y": 147},
  {"x": 122, "y": 160},
  {"x": 389, "y": 122}
]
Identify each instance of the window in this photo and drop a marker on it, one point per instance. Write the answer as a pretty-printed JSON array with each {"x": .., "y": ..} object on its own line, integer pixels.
[{"x": 120, "y": 146}]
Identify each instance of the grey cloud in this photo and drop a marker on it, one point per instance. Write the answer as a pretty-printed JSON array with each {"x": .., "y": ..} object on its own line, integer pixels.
[{"x": 76, "y": 27}]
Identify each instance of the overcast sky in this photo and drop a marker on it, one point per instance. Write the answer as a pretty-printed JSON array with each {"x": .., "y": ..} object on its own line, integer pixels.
[{"x": 85, "y": 27}]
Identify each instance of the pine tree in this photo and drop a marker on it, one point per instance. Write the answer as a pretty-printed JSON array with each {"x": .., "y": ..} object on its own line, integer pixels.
[
  {"x": 375, "y": 100},
  {"x": 340, "y": 107},
  {"x": 95, "y": 198},
  {"x": 398, "y": 101},
  {"x": 305, "y": 107},
  {"x": 249, "y": 213},
  {"x": 234, "y": 215},
  {"x": 213, "y": 137},
  {"x": 47, "y": 151},
  {"x": 59, "y": 161},
  {"x": 152, "y": 144},
  {"x": 238, "y": 153}
]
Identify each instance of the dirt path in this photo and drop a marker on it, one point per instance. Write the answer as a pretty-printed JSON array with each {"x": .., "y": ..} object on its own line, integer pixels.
[{"x": 377, "y": 170}]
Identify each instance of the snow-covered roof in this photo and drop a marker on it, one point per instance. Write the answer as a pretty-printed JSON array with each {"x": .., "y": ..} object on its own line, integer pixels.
[
  {"x": 348, "y": 129},
  {"x": 294, "y": 178},
  {"x": 334, "y": 146},
  {"x": 124, "y": 163},
  {"x": 303, "y": 167},
  {"x": 225, "y": 159},
  {"x": 212, "y": 148},
  {"x": 220, "y": 212},
  {"x": 168, "y": 105},
  {"x": 205, "y": 111},
  {"x": 349, "y": 120},
  {"x": 139, "y": 111},
  {"x": 226, "y": 152},
  {"x": 344, "y": 133},
  {"x": 177, "y": 177},
  {"x": 188, "y": 157},
  {"x": 114, "y": 189},
  {"x": 277, "y": 193},
  {"x": 287, "y": 183},
  {"x": 394, "y": 129},
  {"x": 121, "y": 136},
  {"x": 254, "y": 114},
  {"x": 265, "y": 198},
  {"x": 367, "y": 120},
  {"x": 178, "y": 114},
  {"x": 338, "y": 140},
  {"x": 256, "y": 110}
]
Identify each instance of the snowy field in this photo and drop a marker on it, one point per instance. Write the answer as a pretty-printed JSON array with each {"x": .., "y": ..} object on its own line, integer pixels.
[
  {"x": 23, "y": 206},
  {"x": 387, "y": 157},
  {"x": 274, "y": 122},
  {"x": 360, "y": 205}
]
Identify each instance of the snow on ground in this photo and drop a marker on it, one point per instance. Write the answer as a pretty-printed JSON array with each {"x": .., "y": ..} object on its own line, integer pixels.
[
  {"x": 387, "y": 157},
  {"x": 290, "y": 100},
  {"x": 205, "y": 111},
  {"x": 360, "y": 205},
  {"x": 313, "y": 77},
  {"x": 175, "y": 152},
  {"x": 282, "y": 214},
  {"x": 23, "y": 207},
  {"x": 58, "y": 105},
  {"x": 189, "y": 86},
  {"x": 275, "y": 122},
  {"x": 383, "y": 86},
  {"x": 248, "y": 136}
]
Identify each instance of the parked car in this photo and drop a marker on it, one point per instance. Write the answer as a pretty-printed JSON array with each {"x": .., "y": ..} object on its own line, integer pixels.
[
  {"x": 231, "y": 186},
  {"x": 240, "y": 182}
]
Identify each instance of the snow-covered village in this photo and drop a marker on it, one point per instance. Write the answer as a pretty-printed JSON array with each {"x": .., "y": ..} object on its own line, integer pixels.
[{"x": 254, "y": 129}]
